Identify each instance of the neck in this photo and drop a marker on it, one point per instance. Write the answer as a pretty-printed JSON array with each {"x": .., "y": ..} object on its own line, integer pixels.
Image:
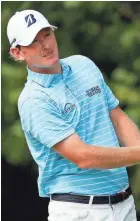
[{"x": 42, "y": 69}]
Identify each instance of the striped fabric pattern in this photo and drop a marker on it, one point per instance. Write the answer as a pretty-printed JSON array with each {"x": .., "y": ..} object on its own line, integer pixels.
[{"x": 55, "y": 106}]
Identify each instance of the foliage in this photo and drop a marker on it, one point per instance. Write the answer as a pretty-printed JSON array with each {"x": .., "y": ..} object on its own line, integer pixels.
[{"x": 106, "y": 32}]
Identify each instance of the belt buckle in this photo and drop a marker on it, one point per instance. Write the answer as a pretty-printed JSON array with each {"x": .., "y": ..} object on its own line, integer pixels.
[{"x": 123, "y": 194}]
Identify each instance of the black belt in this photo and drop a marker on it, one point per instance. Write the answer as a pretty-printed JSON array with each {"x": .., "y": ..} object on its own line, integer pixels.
[{"x": 112, "y": 199}]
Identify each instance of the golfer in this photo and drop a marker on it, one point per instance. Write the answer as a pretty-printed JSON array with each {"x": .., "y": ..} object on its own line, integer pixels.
[{"x": 74, "y": 128}]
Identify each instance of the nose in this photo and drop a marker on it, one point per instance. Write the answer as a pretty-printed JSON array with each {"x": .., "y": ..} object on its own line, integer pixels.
[
  {"x": 44, "y": 47},
  {"x": 44, "y": 44}
]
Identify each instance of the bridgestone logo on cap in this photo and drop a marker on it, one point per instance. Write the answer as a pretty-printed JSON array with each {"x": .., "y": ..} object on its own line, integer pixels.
[{"x": 30, "y": 19}]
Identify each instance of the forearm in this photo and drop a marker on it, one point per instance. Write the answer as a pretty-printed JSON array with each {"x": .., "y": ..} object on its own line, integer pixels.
[
  {"x": 126, "y": 130},
  {"x": 105, "y": 158},
  {"x": 88, "y": 156}
]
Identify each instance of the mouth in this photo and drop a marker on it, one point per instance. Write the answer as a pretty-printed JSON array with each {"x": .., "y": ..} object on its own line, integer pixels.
[{"x": 50, "y": 54}]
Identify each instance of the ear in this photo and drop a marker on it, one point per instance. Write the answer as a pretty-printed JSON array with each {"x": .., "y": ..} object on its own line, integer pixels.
[{"x": 17, "y": 54}]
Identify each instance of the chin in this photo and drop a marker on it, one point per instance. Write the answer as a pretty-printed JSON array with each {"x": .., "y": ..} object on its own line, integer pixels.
[{"x": 52, "y": 61}]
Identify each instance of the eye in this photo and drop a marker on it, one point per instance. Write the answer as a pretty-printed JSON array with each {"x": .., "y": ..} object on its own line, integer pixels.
[
  {"x": 35, "y": 41},
  {"x": 46, "y": 35}
]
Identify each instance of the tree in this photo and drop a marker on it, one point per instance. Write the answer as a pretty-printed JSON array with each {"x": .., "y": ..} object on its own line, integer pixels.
[{"x": 106, "y": 32}]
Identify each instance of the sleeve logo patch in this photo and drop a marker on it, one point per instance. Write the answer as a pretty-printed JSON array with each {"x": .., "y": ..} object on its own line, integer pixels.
[{"x": 68, "y": 107}]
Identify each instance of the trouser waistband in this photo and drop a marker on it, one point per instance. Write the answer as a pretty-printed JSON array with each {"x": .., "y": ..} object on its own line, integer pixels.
[{"x": 110, "y": 199}]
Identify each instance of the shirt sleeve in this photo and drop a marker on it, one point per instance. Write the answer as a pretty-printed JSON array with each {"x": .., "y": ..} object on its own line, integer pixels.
[
  {"x": 44, "y": 121},
  {"x": 112, "y": 101}
]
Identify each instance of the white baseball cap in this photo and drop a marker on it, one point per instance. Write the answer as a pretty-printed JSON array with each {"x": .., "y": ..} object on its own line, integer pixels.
[{"x": 24, "y": 26}]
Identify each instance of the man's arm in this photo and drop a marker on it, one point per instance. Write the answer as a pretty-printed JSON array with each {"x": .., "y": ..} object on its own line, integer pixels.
[
  {"x": 87, "y": 156},
  {"x": 127, "y": 132}
]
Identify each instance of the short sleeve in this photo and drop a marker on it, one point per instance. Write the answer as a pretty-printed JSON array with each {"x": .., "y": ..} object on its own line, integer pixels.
[
  {"x": 43, "y": 120},
  {"x": 112, "y": 101}
]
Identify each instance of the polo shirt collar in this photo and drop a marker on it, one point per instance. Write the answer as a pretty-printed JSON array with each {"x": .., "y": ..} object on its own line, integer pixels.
[{"x": 46, "y": 79}]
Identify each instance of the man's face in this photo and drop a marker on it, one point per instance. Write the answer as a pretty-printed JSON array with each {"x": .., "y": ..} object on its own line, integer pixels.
[{"x": 43, "y": 51}]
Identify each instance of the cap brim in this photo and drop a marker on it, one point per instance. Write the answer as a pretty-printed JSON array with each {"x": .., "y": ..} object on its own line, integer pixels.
[{"x": 28, "y": 39}]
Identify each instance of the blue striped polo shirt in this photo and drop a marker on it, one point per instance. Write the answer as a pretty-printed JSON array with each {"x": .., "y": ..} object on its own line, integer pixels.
[{"x": 55, "y": 106}]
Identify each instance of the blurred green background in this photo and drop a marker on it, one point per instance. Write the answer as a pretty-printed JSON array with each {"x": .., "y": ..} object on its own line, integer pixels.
[{"x": 106, "y": 32}]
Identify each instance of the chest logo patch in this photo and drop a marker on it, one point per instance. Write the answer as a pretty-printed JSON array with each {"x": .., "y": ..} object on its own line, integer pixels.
[{"x": 92, "y": 91}]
